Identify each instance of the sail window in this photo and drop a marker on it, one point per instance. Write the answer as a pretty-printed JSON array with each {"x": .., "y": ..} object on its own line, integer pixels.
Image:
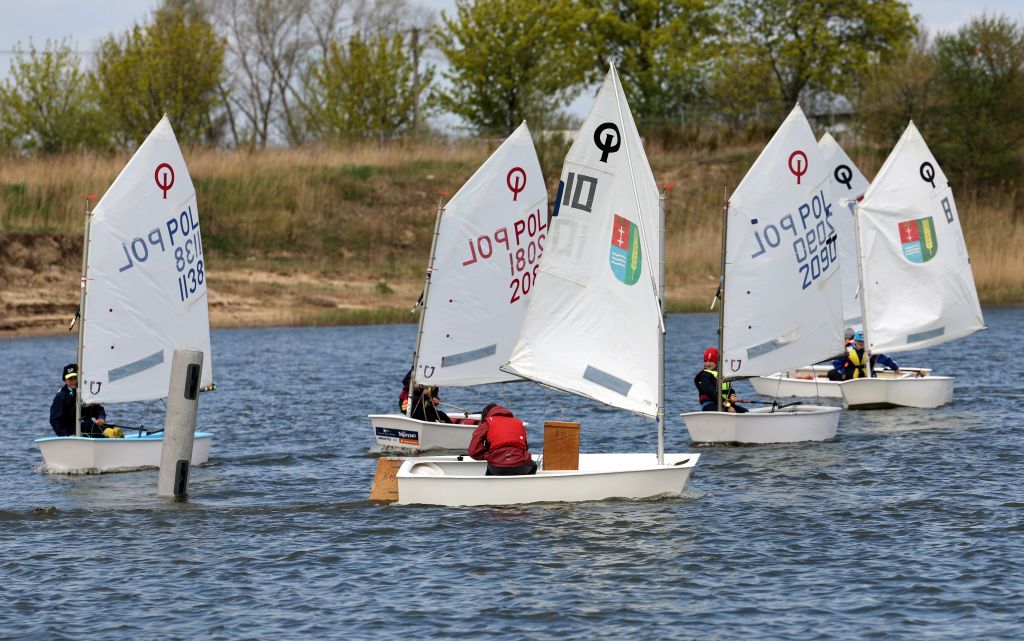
[
  {"x": 140, "y": 365},
  {"x": 772, "y": 345},
  {"x": 467, "y": 357},
  {"x": 923, "y": 336},
  {"x": 607, "y": 381}
]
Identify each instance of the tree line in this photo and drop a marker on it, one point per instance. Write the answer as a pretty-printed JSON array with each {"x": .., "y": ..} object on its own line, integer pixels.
[{"x": 253, "y": 73}]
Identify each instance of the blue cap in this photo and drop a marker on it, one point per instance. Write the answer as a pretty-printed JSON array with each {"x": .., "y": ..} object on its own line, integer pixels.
[{"x": 859, "y": 336}]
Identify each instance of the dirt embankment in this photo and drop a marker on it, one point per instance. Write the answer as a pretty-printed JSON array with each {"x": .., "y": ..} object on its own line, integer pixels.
[{"x": 40, "y": 276}]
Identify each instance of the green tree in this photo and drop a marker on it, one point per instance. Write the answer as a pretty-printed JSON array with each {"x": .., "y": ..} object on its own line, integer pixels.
[
  {"x": 902, "y": 90},
  {"x": 173, "y": 65},
  {"x": 365, "y": 88},
  {"x": 512, "y": 60},
  {"x": 814, "y": 45},
  {"x": 980, "y": 70},
  {"x": 45, "y": 103},
  {"x": 660, "y": 47}
]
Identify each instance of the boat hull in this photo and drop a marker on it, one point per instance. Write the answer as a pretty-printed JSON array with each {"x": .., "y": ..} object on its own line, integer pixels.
[
  {"x": 83, "y": 455},
  {"x": 762, "y": 426},
  {"x": 397, "y": 433},
  {"x": 884, "y": 393},
  {"x": 446, "y": 480},
  {"x": 812, "y": 382}
]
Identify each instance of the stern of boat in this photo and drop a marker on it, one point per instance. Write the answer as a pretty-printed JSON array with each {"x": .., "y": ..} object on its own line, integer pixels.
[{"x": 762, "y": 426}]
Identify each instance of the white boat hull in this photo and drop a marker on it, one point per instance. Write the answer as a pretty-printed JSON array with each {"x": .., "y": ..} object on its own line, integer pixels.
[
  {"x": 812, "y": 382},
  {"x": 397, "y": 433},
  {"x": 805, "y": 382},
  {"x": 883, "y": 393},
  {"x": 83, "y": 455},
  {"x": 446, "y": 480},
  {"x": 760, "y": 426}
]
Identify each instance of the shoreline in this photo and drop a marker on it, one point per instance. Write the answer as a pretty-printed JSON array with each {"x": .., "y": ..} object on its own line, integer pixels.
[{"x": 340, "y": 315}]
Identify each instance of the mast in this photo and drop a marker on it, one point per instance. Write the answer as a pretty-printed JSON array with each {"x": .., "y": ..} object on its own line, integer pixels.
[
  {"x": 81, "y": 318},
  {"x": 863, "y": 290},
  {"x": 662, "y": 198},
  {"x": 423, "y": 311},
  {"x": 721, "y": 298}
]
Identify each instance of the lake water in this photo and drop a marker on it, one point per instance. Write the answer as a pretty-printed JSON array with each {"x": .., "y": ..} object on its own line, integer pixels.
[{"x": 909, "y": 526}]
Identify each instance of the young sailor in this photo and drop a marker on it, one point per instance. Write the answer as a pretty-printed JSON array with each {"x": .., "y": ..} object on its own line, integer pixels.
[
  {"x": 62, "y": 410},
  {"x": 424, "y": 402},
  {"x": 707, "y": 382},
  {"x": 500, "y": 439},
  {"x": 854, "y": 365}
]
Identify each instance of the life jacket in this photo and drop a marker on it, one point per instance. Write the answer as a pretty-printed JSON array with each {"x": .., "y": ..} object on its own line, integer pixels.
[
  {"x": 857, "y": 362},
  {"x": 505, "y": 430},
  {"x": 726, "y": 386}
]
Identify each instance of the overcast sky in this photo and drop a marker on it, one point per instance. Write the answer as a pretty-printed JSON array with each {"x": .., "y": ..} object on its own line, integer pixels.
[{"x": 87, "y": 21}]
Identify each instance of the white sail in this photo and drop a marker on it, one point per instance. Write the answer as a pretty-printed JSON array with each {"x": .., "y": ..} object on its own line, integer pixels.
[
  {"x": 918, "y": 283},
  {"x": 488, "y": 247},
  {"x": 848, "y": 186},
  {"x": 783, "y": 301},
  {"x": 593, "y": 323},
  {"x": 145, "y": 278}
]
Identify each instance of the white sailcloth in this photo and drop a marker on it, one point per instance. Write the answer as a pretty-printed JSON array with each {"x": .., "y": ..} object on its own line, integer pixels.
[
  {"x": 783, "y": 301},
  {"x": 145, "y": 283},
  {"x": 489, "y": 245},
  {"x": 593, "y": 323},
  {"x": 848, "y": 186},
  {"x": 918, "y": 284}
]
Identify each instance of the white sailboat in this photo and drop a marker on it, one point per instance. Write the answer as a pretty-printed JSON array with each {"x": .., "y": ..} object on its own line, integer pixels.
[
  {"x": 594, "y": 326},
  {"x": 848, "y": 187},
  {"x": 487, "y": 245},
  {"x": 143, "y": 296},
  {"x": 918, "y": 286},
  {"x": 781, "y": 295}
]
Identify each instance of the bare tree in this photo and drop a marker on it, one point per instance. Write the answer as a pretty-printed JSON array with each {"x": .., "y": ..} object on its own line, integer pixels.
[
  {"x": 267, "y": 43},
  {"x": 271, "y": 46}
]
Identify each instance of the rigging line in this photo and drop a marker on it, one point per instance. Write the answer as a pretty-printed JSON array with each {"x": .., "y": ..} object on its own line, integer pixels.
[{"x": 636, "y": 198}]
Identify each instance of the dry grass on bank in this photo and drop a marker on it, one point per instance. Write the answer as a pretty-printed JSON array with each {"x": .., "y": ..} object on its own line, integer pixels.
[{"x": 365, "y": 214}]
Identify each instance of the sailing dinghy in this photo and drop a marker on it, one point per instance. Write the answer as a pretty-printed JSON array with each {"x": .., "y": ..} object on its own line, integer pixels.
[
  {"x": 848, "y": 187},
  {"x": 918, "y": 286},
  {"x": 781, "y": 304},
  {"x": 594, "y": 326},
  {"x": 483, "y": 264},
  {"x": 143, "y": 296}
]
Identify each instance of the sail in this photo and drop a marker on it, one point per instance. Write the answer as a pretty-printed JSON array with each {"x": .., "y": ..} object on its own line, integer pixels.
[
  {"x": 918, "y": 283},
  {"x": 848, "y": 186},
  {"x": 145, "y": 283},
  {"x": 593, "y": 322},
  {"x": 783, "y": 300},
  {"x": 488, "y": 248}
]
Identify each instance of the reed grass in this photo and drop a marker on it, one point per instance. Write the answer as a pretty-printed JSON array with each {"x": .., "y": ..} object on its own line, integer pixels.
[{"x": 367, "y": 212}]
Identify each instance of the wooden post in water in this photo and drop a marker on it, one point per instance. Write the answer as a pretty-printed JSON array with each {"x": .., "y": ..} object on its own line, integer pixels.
[
  {"x": 180, "y": 424},
  {"x": 385, "y": 482},
  {"x": 561, "y": 445}
]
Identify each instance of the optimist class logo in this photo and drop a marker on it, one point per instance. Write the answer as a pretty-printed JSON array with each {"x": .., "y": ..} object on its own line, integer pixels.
[
  {"x": 516, "y": 181},
  {"x": 625, "y": 255},
  {"x": 164, "y": 180},
  {"x": 798, "y": 164}
]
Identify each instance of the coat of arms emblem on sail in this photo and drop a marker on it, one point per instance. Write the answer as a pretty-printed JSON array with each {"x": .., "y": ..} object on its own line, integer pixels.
[
  {"x": 625, "y": 253},
  {"x": 920, "y": 244}
]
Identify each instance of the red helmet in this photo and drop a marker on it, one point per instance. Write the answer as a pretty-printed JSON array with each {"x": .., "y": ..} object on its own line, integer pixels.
[{"x": 711, "y": 354}]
